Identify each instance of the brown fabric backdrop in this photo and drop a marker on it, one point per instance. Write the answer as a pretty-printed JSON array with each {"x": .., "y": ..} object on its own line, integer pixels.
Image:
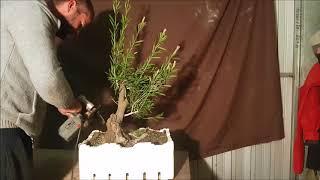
[{"x": 227, "y": 91}]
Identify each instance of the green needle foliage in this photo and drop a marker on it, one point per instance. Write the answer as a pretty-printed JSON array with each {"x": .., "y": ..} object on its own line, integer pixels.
[{"x": 145, "y": 82}]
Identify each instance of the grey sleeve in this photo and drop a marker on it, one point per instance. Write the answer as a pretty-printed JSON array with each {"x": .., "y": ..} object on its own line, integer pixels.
[{"x": 33, "y": 34}]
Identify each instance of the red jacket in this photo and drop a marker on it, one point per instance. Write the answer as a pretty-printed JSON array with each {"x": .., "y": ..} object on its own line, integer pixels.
[{"x": 308, "y": 122}]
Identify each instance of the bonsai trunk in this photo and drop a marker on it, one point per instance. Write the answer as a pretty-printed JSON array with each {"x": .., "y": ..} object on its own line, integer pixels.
[{"x": 115, "y": 133}]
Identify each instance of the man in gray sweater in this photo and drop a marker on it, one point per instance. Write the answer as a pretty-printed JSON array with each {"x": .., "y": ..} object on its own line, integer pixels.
[{"x": 31, "y": 75}]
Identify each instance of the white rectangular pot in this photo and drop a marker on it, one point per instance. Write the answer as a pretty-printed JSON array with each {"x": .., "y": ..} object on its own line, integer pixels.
[{"x": 116, "y": 162}]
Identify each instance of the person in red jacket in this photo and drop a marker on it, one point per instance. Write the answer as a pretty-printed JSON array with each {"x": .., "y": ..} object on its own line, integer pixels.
[{"x": 308, "y": 125}]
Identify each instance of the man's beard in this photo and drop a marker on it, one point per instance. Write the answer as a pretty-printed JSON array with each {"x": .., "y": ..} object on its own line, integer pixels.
[{"x": 65, "y": 30}]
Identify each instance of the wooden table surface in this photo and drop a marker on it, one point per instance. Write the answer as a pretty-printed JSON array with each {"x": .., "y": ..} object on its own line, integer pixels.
[{"x": 57, "y": 164}]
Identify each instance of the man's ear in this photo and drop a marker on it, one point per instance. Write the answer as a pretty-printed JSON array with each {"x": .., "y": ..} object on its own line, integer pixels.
[{"x": 72, "y": 6}]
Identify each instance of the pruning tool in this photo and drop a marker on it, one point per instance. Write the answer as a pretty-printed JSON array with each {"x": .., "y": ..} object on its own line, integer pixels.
[{"x": 73, "y": 124}]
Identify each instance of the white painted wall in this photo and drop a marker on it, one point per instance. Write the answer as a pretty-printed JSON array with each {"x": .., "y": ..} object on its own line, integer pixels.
[{"x": 271, "y": 160}]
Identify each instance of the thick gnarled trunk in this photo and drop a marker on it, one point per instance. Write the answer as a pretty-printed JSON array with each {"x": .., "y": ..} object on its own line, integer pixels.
[{"x": 114, "y": 133}]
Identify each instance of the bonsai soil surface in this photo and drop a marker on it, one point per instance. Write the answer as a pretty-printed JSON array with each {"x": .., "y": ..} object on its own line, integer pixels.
[{"x": 141, "y": 135}]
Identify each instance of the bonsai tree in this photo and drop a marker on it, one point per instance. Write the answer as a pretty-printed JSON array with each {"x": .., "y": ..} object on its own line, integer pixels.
[{"x": 135, "y": 87}]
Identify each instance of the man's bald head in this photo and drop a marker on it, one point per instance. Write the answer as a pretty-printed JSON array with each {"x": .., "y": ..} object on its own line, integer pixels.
[{"x": 78, "y": 13}]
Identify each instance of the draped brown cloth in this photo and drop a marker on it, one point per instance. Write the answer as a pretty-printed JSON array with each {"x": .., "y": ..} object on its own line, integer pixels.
[{"x": 227, "y": 91}]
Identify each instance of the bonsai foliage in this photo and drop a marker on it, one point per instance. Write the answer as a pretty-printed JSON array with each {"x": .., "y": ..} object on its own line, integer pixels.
[
  {"x": 136, "y": 87},
  {"x": 145, "y": 82}
]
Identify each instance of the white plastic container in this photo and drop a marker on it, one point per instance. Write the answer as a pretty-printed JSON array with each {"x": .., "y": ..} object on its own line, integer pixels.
[{"x": 116, "y": 162}]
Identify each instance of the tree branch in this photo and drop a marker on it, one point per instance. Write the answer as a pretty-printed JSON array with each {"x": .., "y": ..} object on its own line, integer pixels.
[{"x": 122, "y": 103}]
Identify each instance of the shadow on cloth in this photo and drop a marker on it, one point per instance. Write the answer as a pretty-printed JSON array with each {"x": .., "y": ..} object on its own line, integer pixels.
[{"x": 182, "y": 142}]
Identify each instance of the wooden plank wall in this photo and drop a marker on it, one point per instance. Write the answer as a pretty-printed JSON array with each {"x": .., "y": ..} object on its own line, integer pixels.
[{"x": 271, "y": 160}]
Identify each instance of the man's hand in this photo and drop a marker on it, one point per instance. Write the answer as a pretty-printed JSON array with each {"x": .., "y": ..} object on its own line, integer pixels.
[{"x": 75, "y": 108}]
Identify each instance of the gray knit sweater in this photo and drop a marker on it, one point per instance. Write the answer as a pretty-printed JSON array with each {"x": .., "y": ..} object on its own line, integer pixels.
[{"x": 30, "y": 72}]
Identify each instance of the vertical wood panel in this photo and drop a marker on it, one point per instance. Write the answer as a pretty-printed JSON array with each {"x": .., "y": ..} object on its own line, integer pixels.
[
  {"x": 253, "y": 162},
  {"x": 220, "y": 168},
  {"x": 287, "y": 93},
  {"x": 285, "y": 22},
  {"x": 227, "y": 172},
  {"x": 267, "y": 160},
  {"x": 239, "y": 158},
  {"x": 214, "y": 167},
  {"x": 276, "y": 161},
  {"x": 246, "y": 162},
  {"x": 262, "y": 162},
  {"x": 233, "y": 166}
]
